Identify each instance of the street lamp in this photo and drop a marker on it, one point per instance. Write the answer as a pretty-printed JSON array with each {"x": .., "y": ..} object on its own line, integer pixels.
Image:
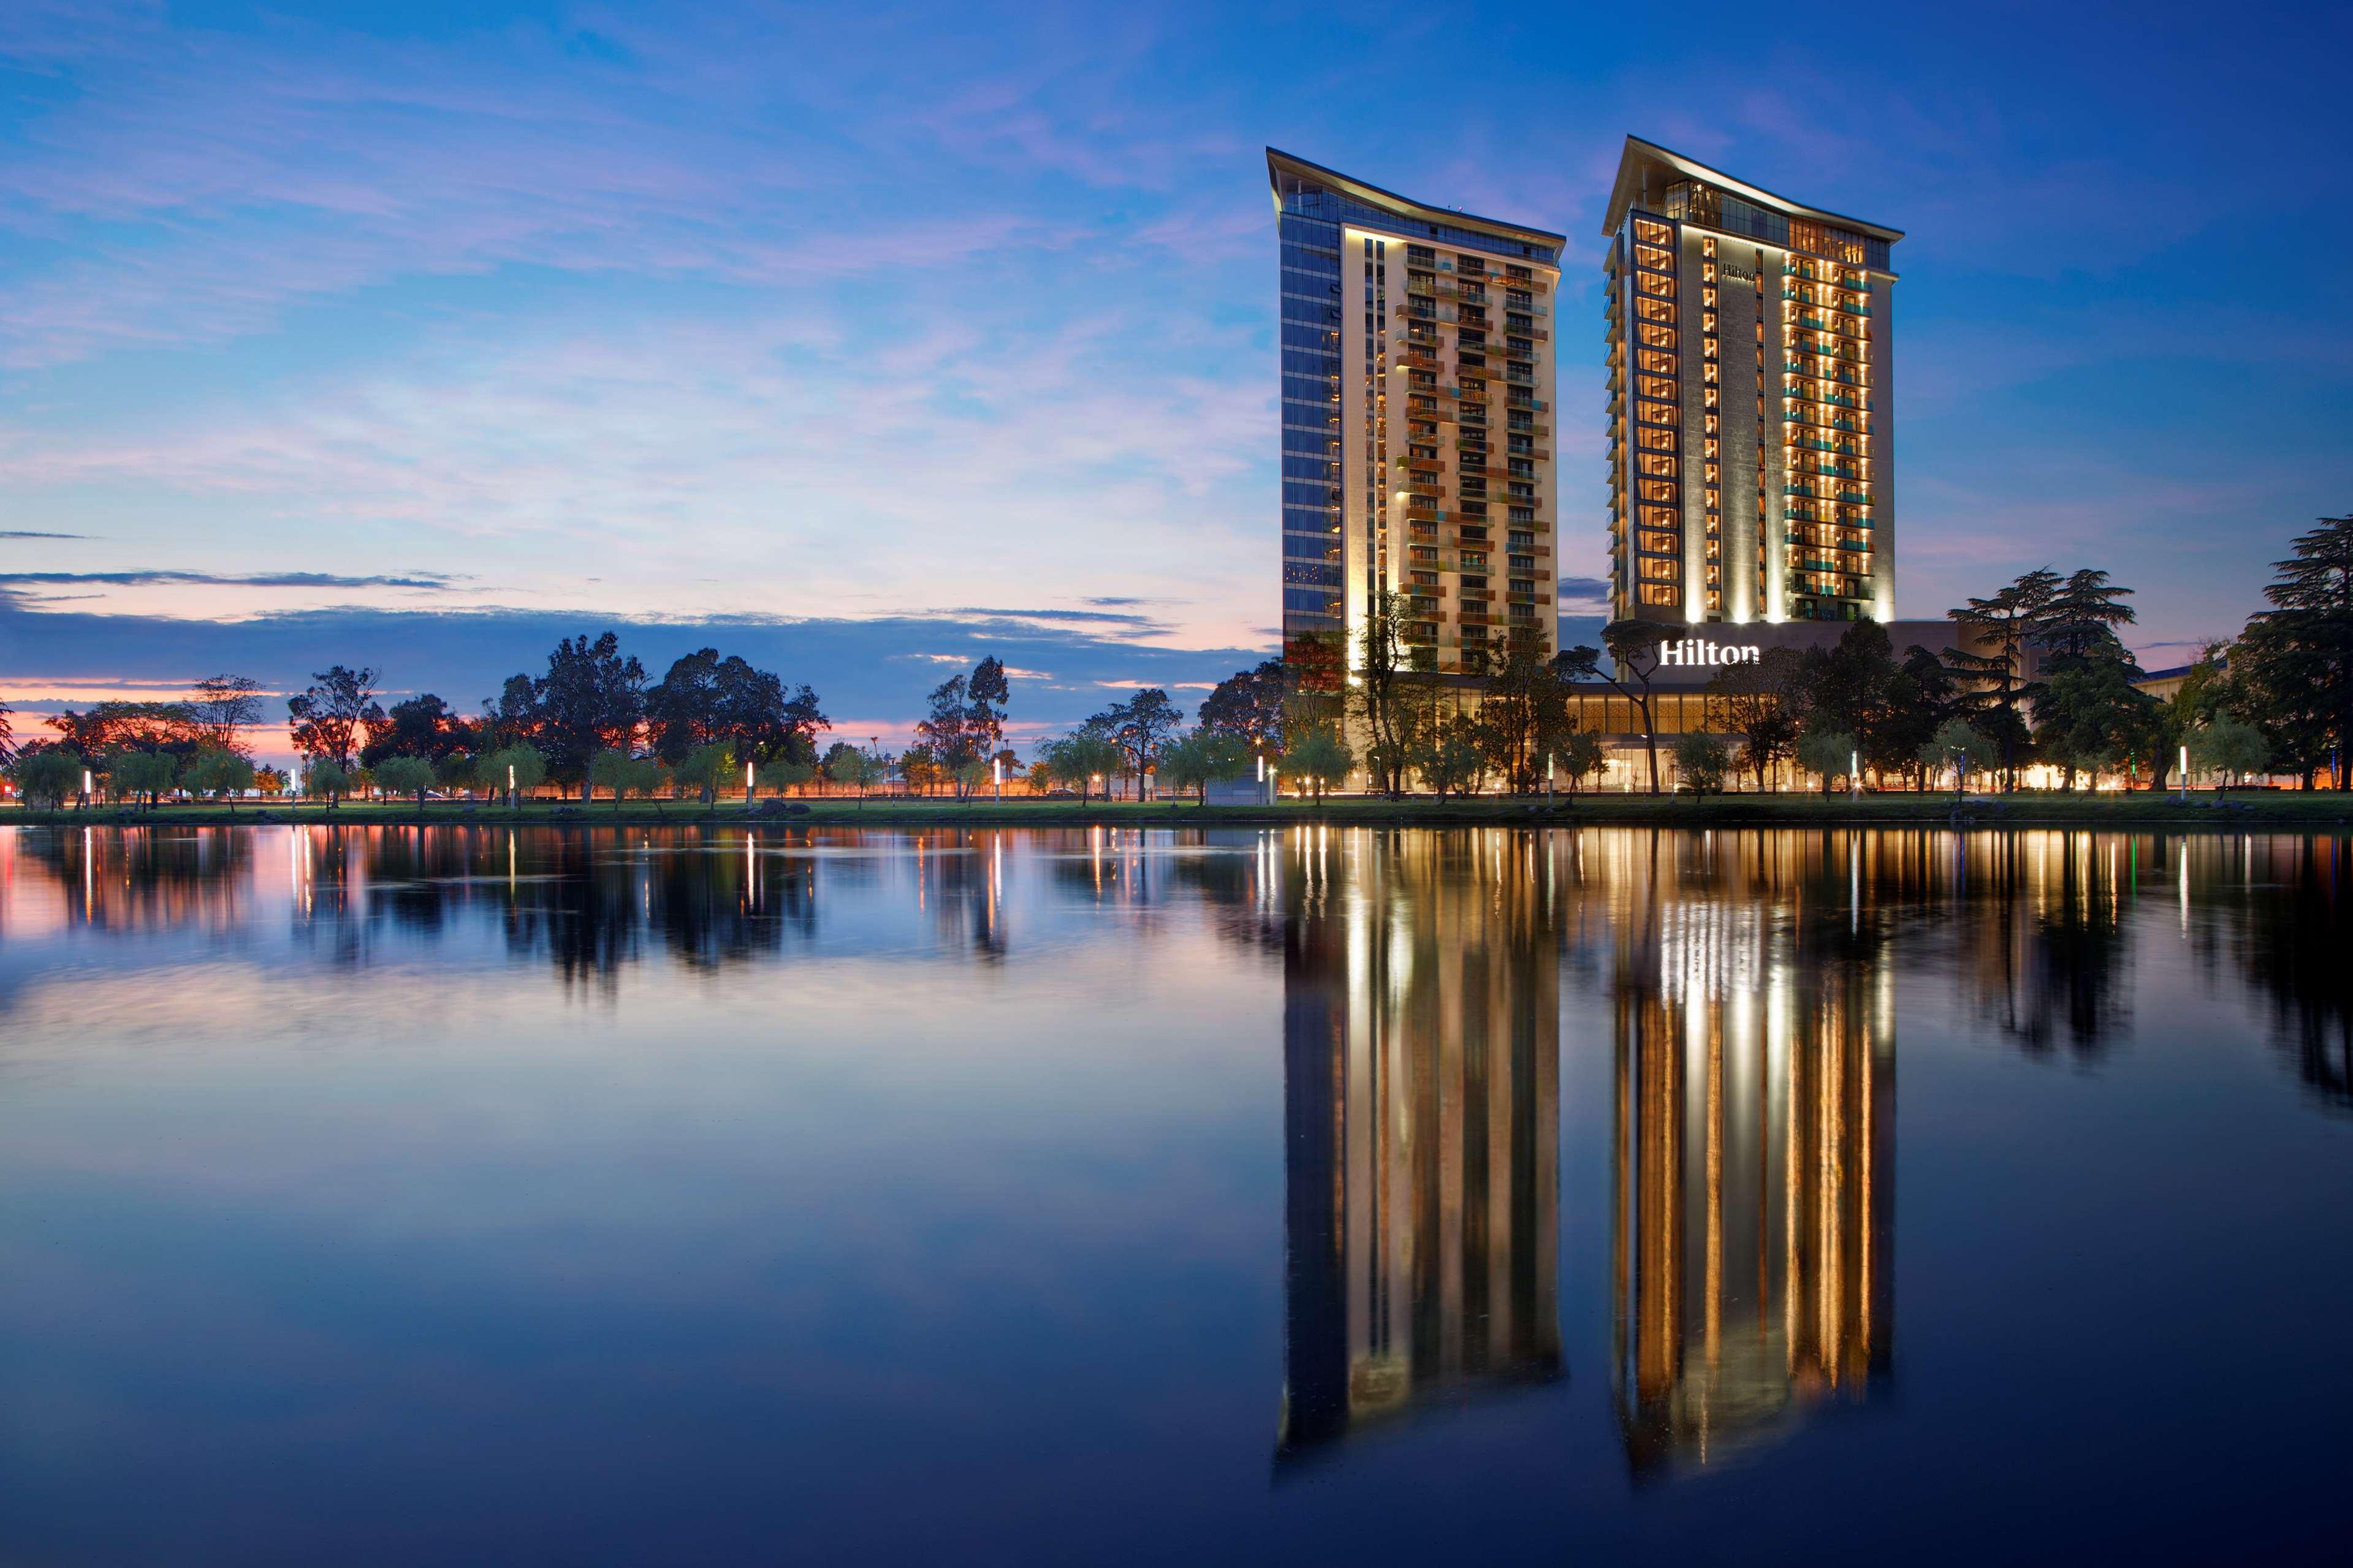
[
  {"x": 747, "y": 783},
  {"x": 2185, "y": 776}
]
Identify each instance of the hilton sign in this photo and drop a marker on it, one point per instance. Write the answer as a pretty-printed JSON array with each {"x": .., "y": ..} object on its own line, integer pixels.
[{"x": 1691, "y": 651}]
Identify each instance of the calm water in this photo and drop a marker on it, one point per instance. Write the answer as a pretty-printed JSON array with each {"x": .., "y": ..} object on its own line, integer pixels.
[{"x": 394, "y": 1196}]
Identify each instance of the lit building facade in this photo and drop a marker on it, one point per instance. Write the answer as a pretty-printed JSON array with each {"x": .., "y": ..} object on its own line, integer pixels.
[
  {"x": 1751, "y": 381},
  {"x": 1418, "y": 418}
]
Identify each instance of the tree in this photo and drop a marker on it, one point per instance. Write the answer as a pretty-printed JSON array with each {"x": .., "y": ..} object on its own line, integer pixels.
[
  {"x": 853, "y": 769},
  {"x": 325, "y": 776},
  {"x": 612, "y": 768},
  {"x": 327, "y": 719},
  {"x": 2082, "y": 615},
  {"x": 2090, "y": 709},
  {"x": 224, "y": 708},
  {"x": 1322, "y": 758},
  {"x": 1830, "y": 753},
  {"x": 460, "y": 770},
  {"x": 1957, "y": 746},
  {"x": 1997, "y": 690},
  {"x": 405, "y": 775},
  {"x": 590, "y": 700},
  {"x": 1249, "y": 703},
  {"x": 2304, "y": 644},
  {"x": 222, "y": 773},
  {"x": 422, "y": 727},
  {"x": 1919, "y": 700},
  {"x": 1383, "y": 689},
  {"x": 113, "y": 727},
  {"x": 1703, "y": 761},
  {"x": 7, "y": 735},
  {"x": 1764, "y": 703},
  {"x": 1206, "y": 756},
  {"x": 1083, "y": 756},
  {"x": 1524, "y": 711},
  {"x": 945, "y": 729},
  {"x": 46, "y": 777},
  {"x": 990, "y": 693},
  {"x": 518, "y": 769},
  {"x": 1849, "y": 684},
  {"x": 1136, "y": 726},
  {"x": 2229, "y": 747},
  {"x": 1454, "y": 754},
  {"x": 148, "y": 773},
  {"x": 1580, "y": 755},
  {"x": 970, "y": 775},
  {"x": 705, "y": 698},
  {"x": 1633, "y": 646},
  {"x": 645, "y": 779},
  {"x": 705, "y": 769}
]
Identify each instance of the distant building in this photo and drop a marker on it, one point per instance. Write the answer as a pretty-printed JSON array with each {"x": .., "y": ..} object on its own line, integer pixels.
[
  {"x": 1418, "y": 420},
  {"x": 1752, "y": 442}
]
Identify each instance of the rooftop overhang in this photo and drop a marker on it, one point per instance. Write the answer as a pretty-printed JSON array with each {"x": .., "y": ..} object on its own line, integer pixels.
[
  {"x": 1279, "y": 164},
  {"x": 1647, "y": 161}
]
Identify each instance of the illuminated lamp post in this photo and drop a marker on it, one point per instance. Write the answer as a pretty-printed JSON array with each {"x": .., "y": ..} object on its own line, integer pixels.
[
  {"x": 2185, "y": 776},
  {"x": 511, "y": 787},
  {"x": 747, "y": 783}
]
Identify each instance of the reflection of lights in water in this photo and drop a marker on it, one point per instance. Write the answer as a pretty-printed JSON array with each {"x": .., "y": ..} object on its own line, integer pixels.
[
  {"x": 1753, "y": 1105},
  {"x": 1420, "y": 1040}
]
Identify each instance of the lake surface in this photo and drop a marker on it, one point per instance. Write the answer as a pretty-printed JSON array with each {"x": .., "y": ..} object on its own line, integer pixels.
[{"x": 706, "y": 1195}]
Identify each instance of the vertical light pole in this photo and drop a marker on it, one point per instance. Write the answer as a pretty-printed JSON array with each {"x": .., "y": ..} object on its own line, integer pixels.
[
  {"x": 1547, "y": 778},
  {"x": 85, "y": 786},
  {"x": 747, "y": 783},
  {"x": 511, "y": 787},
  {"x": 1263, "y": 788},
  {"x": 1854, "y": 775},
  {"x": 2185, "y": 776},
  {"x": 997, "y": 775}
]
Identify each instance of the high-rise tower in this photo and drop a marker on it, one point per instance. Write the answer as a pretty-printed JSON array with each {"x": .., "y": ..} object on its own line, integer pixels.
[
  {"x": 1752, "y": 444},
  {"x": 1416, "y": 418}
]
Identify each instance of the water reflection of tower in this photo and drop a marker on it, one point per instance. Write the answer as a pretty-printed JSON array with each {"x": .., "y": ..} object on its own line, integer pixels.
[
  {"x": 1421, "y": 1049},
  {"x": 1755, "y": 1118}
]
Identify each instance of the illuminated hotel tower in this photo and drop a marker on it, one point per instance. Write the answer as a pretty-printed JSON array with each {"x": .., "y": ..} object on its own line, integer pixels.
[
  {"x": 1418, "y": 426},
  {"x": 1752, "y": 444},
  {"x": 1754, "y": 1175},
  {"x": 1422, "y": 1119}
]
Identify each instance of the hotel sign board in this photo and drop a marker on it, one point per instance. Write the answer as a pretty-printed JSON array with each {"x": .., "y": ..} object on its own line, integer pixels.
[{"x": 1690, "y": 651}]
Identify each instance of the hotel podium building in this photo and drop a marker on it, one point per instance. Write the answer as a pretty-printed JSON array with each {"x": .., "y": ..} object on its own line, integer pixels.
[
  {"x": 1417, "y": 421},
  {"x": 1751, "y": 383}
]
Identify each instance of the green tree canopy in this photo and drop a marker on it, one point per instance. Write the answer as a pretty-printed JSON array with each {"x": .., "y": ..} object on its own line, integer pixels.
[
  {"x": 328, "y": 717},
  {"x": 47, "y": 777},
  {"x": 221, "y": 774},
  {"x": 1703, "y": 761},
  {"x": 404, "y": 775},
  {"x": 1322, "y": 758},
  {"x": 1830, "y": 753}
]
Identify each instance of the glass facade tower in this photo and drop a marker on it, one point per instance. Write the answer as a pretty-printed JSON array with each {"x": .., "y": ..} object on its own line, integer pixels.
[
  {"x": 1417, "y": 420},
  {"x": 1751, "y": 416}
]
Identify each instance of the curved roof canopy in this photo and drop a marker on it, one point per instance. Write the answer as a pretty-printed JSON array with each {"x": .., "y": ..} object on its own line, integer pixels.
[{"x": 1646, "y": 164}]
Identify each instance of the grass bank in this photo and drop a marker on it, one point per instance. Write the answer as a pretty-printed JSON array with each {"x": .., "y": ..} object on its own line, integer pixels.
[{"x": 2315, "y": 811}]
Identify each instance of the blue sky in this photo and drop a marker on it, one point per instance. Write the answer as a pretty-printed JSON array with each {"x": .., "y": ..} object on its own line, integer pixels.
[{"x": 871, "y": 340}]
